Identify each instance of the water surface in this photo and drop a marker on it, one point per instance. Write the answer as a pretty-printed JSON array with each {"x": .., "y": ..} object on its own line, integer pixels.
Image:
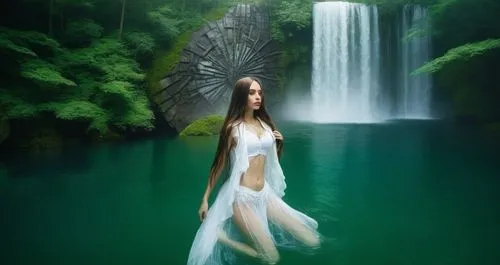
[{"x": 408, "y": 193}]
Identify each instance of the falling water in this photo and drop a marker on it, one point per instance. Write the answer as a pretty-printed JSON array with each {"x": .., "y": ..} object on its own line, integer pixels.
[
  {"x": 351, "y": 82},
  {"x": 345, "y": 78},
  {"x": 415, "y": 91}
]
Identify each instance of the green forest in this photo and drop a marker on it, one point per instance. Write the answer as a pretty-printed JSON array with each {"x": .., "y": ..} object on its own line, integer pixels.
[{"x": 78, "y": 71}]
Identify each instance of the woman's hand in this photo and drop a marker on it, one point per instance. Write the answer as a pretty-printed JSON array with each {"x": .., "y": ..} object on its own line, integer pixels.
[
  {"x": 278, "y": 135},
  {"x": 202, "y": 212}
]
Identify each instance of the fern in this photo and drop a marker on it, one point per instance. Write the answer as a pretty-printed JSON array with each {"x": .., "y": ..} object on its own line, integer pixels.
[
  {"x": 440, "y": 6},
  {"x": 460, "y": 53},
  {"x": 140, "y": 42},
  {"x": 6, "y": 44},
  {"x": 106, "y": 58},
  {"x": 82, "y": 31},
  {"x": 35, "y": 41},
  {"x": 161, "y": 19},
  {"x": 120, "y": 69},
  {"x": 81, "y": 110},
  {"x": 15, "y": 107},
  {"x": 118, "y": 88},
  {"x": 138, "y": 115},
  {"x": 44, "y": 73}
]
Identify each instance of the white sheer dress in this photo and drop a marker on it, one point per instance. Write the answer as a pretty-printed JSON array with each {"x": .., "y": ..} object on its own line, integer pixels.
[{"x": 268, "y": 222}]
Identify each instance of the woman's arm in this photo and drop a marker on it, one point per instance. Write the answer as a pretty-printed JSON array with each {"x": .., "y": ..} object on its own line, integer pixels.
[{"x": 215, "y": 173}]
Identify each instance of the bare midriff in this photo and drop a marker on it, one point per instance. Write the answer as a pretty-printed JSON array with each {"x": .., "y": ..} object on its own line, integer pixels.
[{"x": 254, "y": 176}]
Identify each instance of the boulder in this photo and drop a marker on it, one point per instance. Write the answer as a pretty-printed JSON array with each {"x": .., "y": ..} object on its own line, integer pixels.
[
  {"x": 206, "y": 126},
  {"x": 220, "y": 53}
]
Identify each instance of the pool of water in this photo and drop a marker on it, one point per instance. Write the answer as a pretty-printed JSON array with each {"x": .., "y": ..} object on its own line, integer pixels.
[{"x": 408, "y": 193}]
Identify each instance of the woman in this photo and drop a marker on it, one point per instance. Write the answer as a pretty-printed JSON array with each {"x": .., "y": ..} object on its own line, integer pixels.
[{"x": 248, "y": 215}]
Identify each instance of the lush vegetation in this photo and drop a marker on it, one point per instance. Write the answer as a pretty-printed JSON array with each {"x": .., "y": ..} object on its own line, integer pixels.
[
  {"x": 86, "y": 69},
  {"x": 89, "y": 69},
  {"x": 466, "y": 42},
  {"x": 466, "y": 34}
]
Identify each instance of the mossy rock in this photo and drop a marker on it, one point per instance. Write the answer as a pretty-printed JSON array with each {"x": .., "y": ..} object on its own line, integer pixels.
[
  {"x": 206, "y": 126},
  {"x": 165, "y": 60}
]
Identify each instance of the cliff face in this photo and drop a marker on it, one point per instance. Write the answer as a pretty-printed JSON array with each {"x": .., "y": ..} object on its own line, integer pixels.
[{"x": 220, "y": 53}]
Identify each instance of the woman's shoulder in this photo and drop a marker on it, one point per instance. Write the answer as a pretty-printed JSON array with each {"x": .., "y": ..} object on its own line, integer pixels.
[{"x": 233, "y": 127}]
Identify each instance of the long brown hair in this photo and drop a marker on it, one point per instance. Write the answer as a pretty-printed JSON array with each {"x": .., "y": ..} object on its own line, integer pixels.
[{"x": 234, "y": 116}]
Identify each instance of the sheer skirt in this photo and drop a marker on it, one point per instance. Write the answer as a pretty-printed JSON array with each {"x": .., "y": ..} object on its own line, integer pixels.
[{"x": 261, "y": 224}]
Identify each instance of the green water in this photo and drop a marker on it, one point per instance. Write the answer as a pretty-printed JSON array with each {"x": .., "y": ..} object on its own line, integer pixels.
[{"x": 410, "y": 193}]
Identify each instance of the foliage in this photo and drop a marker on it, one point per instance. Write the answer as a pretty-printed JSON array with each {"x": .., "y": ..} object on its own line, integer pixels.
[
  {"x": 141, "y": 44},
  {"x": 206, "y": 126},
  {"x": 113, "y": 88},
  {"x": 64, "y": 57},
  {"x": 167, "y": 27},
  {"x": 82, "y": 32},
  {"x": 291, "y": 27},
  {"x": 28, "y": 42},
  {"x": 466, "y": 57},
  {"x": 75, "y": 110},
  {"x": 440, "y": 6},
  {"x": 165, "y": 60},
  {"x": 294, "y": 15},
  {"x": 104, "y": 81},
  {"x": 71, "y": 60},
  {"x": 463, "y": 52},
  {"x": 16, "y": 107},
  {"x": 44, "y": 74},
  {"x": 7, "y": 45}
]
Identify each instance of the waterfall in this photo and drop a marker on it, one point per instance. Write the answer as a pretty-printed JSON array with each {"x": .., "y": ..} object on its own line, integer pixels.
[
  {"x": 351, "y": 81},
  {"x": 414, "y": 91},
  {"x": 346, "y": 63}
]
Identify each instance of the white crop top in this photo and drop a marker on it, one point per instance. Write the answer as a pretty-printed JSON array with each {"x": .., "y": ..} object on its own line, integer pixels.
[{"x": 256, "y": 145}]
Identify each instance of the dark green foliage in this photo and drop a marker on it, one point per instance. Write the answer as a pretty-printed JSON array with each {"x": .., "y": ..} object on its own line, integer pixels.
[
  {"x": 30, "y": 43},
  {"x": 466, "y": 34},
  {"x": 464, "y": 52},
  {"x": 99, "y": 84},
  {"x": 15, "y": 107},
  {"x": 164, "y": 22},
  {"x": 81, "y": 32},
  {"x": 44, "y": 74},
  {"x": 75, "y": 62},
  {"x": 69, "y": 59},
  {"x": 75, "y": 110},
  {"x": 294, "y": 15},
  {"x": 7, "y": 46},
  {"x": 141, "y": 44},
  {"x": 291, "y": 23},
  {"x": 109, "y": 78}
]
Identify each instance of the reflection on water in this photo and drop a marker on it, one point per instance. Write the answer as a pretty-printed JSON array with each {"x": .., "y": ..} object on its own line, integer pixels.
[
  {"x": 329, "y": 144},
  {"x": 402, "y": 193}
]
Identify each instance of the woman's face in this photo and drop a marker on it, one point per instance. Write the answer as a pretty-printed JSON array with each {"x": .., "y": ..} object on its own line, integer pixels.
[{"x": 254, "y": 96}]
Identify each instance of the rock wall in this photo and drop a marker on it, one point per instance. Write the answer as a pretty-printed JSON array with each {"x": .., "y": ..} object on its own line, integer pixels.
[{"x": 220, "y": 53}]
